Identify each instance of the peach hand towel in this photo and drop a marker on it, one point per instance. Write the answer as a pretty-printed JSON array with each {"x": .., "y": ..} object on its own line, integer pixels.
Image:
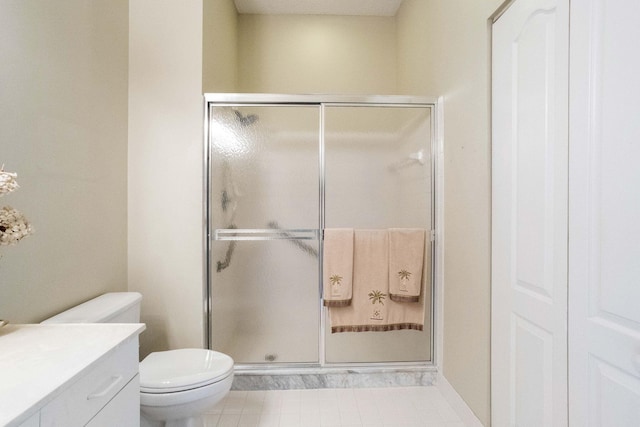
[
  {"x": 337, "y": 267},
  {"x": 406, "y": 257},
  {"x": 368, "y": 311}
]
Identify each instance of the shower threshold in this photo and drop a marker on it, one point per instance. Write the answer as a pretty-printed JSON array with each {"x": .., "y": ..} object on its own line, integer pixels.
[{"x": 277, "y": 377}]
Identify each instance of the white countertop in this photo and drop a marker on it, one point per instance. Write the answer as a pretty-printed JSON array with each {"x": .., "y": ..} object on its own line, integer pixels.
[{"x": 38, "y": 362}]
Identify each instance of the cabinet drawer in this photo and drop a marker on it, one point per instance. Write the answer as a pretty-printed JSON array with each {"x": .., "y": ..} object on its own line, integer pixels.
[
  {"x": 123, "y": 410},
  {"x": 34, "y": 421},
  {"x": 89, "y": 394}
]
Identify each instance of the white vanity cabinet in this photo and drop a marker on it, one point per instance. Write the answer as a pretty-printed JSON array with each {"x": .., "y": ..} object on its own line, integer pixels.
[
  {"x": 69, "y": 375},
  {"x": 96, "y": 390}
]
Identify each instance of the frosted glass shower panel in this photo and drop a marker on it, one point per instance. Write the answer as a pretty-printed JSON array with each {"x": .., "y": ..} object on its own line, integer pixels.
[
  {"x": 264, "y": 165},
  {"x": 265, "y": 304},
  {"x": 264, "y": 222},
  {"x": 378, "y": 167},
  {"x": 378, "y": 176}
]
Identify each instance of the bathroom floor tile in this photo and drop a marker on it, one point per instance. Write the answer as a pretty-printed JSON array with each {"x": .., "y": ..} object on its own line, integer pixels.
[
  {"x": 249, "y": 420},
  {"x": 229, "y": 420},
  {"x": 270, "y": 418},
  {"x": 361, "y": 407},
  {"x": 211, "y": 420}
]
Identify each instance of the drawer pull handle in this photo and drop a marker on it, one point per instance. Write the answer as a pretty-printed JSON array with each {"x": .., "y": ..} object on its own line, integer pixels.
[{"x": 115, "y": 379}]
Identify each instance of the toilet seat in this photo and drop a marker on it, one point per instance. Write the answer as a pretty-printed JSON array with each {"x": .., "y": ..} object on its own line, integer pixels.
[
  {"x": 214, "y": 391},
  {"x": 181, "y": 370}
]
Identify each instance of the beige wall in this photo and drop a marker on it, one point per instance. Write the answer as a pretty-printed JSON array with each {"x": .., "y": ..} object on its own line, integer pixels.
[
  {"x": 165, "y": 170},
  {"x": 443, "y": 50},
  {"x": 63, "y": 116},
  {"x": 63, "y": 120},
  {"x": 316, "y": 54},
  {"x": 219, "y": 46}
]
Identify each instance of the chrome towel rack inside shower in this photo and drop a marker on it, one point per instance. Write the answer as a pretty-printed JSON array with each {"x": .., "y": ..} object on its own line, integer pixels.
[
  {"x": 274, "y": 232},
  {"x": 265, "y": 234}
]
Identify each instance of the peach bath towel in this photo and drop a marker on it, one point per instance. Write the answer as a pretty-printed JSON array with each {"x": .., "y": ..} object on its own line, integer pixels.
[
  {"x": 371, "y": 308},
  {"x": 406, "y": 259},
  {"x": 337, "y": 267}
]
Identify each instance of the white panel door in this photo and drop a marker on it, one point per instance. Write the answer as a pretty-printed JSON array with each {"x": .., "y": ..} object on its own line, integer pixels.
[
  {"x": 604, "y": 205},
  {"x": 529, "y": 215}
]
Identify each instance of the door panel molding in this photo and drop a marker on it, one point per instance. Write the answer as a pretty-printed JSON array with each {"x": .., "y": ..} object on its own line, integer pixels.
[{"x": 529, "y": 214}]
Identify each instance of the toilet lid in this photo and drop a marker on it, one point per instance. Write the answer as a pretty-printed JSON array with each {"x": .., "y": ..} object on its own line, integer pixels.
[{"x": 184, "y": 369}]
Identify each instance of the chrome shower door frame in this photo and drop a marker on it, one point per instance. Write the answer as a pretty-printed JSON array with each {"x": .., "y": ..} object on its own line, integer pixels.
[{"x": 322, "y": 101}]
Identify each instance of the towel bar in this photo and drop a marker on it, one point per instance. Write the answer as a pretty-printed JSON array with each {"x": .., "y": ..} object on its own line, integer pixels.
[{"x": 265, "y": 234}]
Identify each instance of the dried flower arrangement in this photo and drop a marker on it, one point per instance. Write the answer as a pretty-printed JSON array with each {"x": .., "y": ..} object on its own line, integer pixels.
[
  {"x": 8, "y": 183},
  {"x": 13, "y": 224}
]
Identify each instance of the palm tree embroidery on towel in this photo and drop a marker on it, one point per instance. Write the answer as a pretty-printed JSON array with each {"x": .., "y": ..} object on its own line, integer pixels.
[
  {"x": 336, "y": 283},
  {"x": 404, "y": 278},
  {"x": 377, "y": 297}
]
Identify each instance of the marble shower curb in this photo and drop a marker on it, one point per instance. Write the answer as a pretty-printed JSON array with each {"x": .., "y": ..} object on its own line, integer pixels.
[{"x": 341, "y": 378}]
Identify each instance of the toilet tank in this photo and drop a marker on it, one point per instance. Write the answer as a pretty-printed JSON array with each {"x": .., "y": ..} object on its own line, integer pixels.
[{"x": 113, "y": 307}]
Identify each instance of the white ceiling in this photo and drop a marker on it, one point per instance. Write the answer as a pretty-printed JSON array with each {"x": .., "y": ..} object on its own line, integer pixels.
[{"x": 319, "y": 7}]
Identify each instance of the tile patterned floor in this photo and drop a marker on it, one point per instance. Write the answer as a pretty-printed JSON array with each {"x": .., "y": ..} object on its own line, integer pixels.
[{"x": 361, "y": 407}]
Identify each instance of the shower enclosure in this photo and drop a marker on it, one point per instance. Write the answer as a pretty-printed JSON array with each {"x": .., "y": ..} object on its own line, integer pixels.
[{"x": 279, "y": 170}]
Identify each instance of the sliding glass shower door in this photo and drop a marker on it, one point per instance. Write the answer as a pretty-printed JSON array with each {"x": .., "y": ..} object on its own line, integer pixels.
[
  {"x": 378, "y": 176},
  {"x": 264, "y": 223},
  {"x": 281, "y": 170}
]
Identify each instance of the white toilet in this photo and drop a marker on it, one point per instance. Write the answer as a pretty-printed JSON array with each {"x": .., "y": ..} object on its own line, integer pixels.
[{"x": 176, "y": 386}]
